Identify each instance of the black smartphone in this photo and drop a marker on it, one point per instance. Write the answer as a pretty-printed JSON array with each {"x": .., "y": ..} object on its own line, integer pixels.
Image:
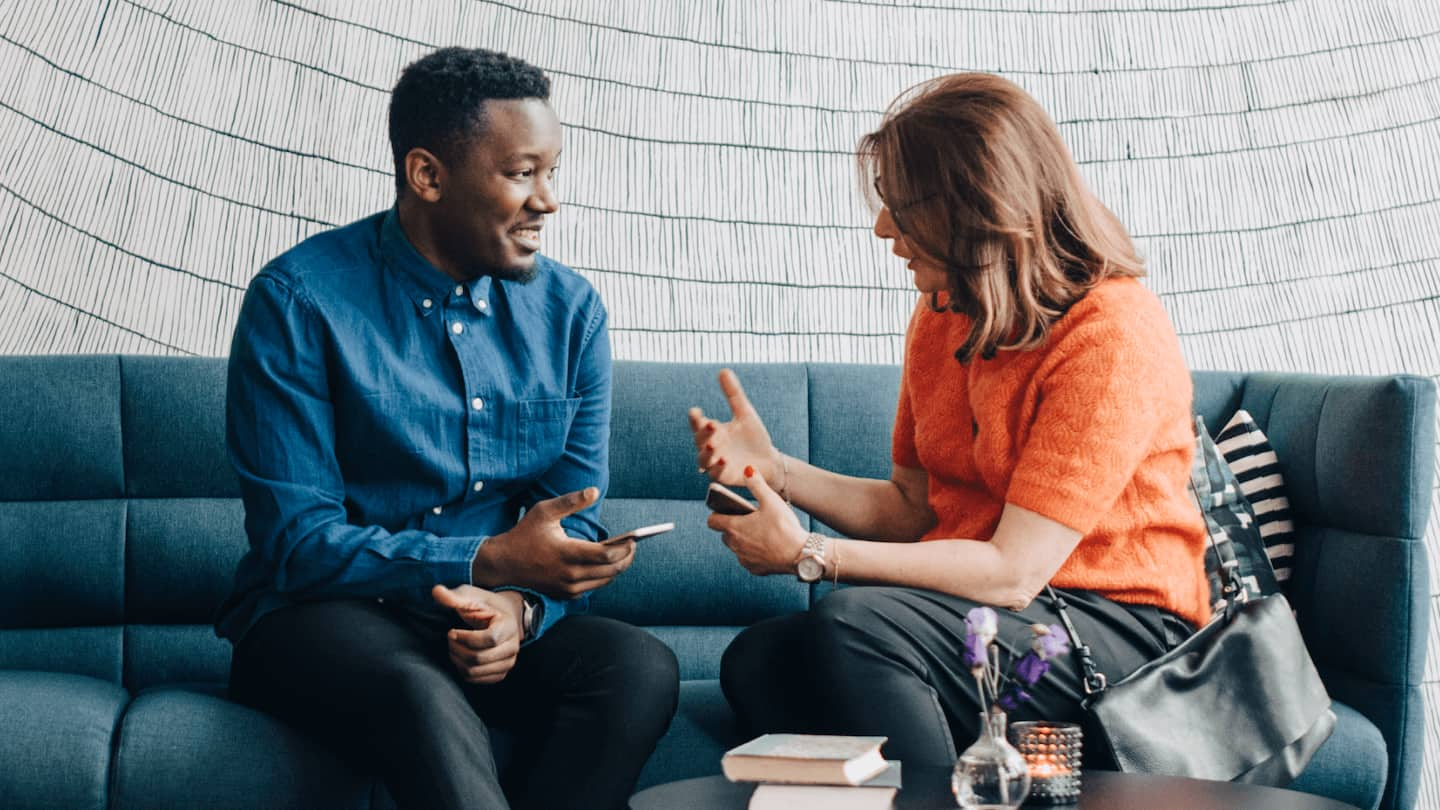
[{"x": 722, "y": 499}]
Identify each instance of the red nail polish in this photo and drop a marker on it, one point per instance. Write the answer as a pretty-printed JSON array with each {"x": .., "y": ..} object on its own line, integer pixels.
[
  {"x": 749, "y": 471},
  {"x": 720, "y": 462},
  {"x": 709, "y": 447}
]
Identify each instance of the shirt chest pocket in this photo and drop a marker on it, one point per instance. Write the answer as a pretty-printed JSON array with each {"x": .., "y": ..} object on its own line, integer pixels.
[{"x": 542, "y": 426}]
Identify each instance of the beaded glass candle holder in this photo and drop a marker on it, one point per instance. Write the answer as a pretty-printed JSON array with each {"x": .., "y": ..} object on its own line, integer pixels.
[{"x": 1052, "y": 752}]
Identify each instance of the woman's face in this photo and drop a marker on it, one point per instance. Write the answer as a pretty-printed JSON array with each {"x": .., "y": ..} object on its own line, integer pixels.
[{"x": 929, "y": 272}]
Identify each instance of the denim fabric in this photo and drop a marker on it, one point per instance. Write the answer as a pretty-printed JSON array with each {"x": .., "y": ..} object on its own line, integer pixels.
[
  {"x": 384, "y": 419},
  {"x": 55, "y": 748},
  {"x": 1351, "y": 765},
  {"x": 60, "y": 428},
  {"x": 173, "y": 412},
  {"x": 184, "y": 749}
]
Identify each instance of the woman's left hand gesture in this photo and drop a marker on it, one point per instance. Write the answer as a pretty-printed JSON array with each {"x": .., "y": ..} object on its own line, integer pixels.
[{"x": 766, "y": 541}]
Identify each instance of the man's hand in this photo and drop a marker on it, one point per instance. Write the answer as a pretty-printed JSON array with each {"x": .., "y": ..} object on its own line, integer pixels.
[
  {"x": 537, "y": 553},
  {"x": 485, "y": 652}
]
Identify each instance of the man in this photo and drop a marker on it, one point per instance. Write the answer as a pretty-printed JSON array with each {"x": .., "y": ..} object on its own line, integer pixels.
[{"x": 399, "y": 390}]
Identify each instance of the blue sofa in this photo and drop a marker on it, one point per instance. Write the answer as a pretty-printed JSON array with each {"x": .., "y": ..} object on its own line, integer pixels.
[{"x": 120, "y": 527}]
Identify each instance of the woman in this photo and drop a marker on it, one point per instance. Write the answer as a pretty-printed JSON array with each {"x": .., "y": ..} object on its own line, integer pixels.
[{"x": 1042, "y": 436}]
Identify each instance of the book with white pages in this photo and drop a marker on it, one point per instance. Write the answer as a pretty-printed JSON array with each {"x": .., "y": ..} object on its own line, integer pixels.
[
  {"x": 812, "y": 759},
  {"x": 876, "y": 794}
]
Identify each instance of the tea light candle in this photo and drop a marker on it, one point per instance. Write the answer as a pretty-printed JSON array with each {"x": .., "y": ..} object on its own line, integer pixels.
[{"x": 1052, "y": 754}]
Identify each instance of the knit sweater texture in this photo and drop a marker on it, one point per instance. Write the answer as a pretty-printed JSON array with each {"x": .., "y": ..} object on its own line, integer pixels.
[{"x": 1092, "y": 430}]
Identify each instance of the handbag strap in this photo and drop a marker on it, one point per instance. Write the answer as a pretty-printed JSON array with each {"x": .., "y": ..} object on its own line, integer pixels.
[{"x": 1094, "y": 680}]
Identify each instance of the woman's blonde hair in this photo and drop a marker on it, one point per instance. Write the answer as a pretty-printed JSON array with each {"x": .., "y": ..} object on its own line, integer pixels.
[{"x": 975, "y": 175}]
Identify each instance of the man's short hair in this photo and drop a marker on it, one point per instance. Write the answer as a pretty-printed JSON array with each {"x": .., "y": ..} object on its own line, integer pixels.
[{"x": 439, "y": 102}]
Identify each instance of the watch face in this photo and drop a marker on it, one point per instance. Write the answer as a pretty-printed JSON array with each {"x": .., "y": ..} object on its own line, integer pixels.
[{"x": 809, "y": 569}]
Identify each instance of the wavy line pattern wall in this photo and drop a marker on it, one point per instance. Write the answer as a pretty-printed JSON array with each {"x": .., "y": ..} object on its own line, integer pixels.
[{"x": 1275, "y": 158}]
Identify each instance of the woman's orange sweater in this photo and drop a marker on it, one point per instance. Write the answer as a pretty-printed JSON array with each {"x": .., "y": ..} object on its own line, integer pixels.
[{"x": 1092, "y": 430}]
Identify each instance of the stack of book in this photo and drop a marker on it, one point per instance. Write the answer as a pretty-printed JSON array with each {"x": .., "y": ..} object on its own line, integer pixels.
[{"x": 801, "y": 771}]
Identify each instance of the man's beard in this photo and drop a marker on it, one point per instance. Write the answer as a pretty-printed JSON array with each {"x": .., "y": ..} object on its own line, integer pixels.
[{"x": 524, "y": 276}]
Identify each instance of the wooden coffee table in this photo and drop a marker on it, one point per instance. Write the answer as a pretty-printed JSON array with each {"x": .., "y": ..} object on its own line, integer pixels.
[{"x": 929, "y": 789}]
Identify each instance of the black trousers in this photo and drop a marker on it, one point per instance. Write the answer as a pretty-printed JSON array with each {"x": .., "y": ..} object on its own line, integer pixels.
[
  {"x": 585, "y": 704},
  {"x": 889, "y": 662}
]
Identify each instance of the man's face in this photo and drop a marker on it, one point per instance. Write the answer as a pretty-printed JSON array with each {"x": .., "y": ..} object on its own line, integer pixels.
[{"x": 489, "y": 218}]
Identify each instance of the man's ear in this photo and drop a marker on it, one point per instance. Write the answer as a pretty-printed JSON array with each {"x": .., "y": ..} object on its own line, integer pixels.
[{"x": 425, "y": 175}]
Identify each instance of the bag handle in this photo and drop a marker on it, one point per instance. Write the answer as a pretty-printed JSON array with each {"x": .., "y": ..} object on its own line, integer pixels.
[{"x": 1094, "y": 680}]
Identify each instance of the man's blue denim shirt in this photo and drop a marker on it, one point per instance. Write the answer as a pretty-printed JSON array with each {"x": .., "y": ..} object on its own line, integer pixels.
[{"x": 384, "y": 419}]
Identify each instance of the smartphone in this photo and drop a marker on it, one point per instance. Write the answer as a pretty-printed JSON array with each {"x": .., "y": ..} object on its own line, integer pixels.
[
  {"x": 723, "y": 500},
  {"x": 638, "y": 534}
]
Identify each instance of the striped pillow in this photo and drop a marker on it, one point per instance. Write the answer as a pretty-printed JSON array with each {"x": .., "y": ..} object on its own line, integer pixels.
[{"x": 1253, "y": 461}]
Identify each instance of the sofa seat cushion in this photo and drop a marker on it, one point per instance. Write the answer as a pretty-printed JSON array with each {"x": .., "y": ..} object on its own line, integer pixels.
[
  {"x": 702, "y": 730},
  {"x": 181, "y": 748},
  {"x": 55, "y": 745},
  {"x": 1350, "y": 766}
]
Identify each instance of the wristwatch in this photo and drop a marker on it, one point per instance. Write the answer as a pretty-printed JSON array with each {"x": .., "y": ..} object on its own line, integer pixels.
[
  {"x": 530, "y": 619},
  {"x": 810, "y": 567}
]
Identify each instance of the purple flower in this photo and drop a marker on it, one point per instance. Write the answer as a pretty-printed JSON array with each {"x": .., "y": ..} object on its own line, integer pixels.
[
  {"x": 983, "y": 622},
  {"x": 1054, "y": 641},
  {"x": 1013, "y": 697},
  {"x": 975, "y": 650},
  {"x": 1031, "y": 668}
]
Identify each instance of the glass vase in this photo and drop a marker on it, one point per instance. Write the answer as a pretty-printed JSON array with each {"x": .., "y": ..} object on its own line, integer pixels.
[{"x": 990, "y": 774}]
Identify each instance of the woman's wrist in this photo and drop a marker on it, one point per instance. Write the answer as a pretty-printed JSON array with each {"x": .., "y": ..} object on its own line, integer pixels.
[{"x": 780, "y": 466}]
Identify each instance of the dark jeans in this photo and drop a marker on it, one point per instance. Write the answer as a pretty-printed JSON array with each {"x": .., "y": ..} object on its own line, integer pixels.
[
  {"x": 889, "y": 662},
  {"x": 585, "y": 704}
]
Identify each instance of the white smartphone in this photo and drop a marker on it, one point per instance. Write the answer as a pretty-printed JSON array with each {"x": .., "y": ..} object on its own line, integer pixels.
[
  {"x": 722, "y": 499},
  {"x": 638, "y": 534}
]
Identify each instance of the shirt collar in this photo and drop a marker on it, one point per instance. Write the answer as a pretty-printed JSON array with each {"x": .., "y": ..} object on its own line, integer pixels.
[{"x": 427, "y": 286}]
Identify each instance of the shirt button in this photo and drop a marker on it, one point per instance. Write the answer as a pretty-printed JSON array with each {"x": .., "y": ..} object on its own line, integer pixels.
[
  {"x": 460, "y": 289},
  {"x": 427, "y": 303},
  {"x": 479, "y": 485},
  {"x": 457, "y": 327},
  {"x": 437, "y": 510},
  {"x": 477, "y": 403},
  {"x": 481, "y": 304}
]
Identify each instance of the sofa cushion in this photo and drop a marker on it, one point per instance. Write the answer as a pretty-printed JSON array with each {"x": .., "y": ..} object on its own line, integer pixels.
[
  {"x": 651, "y": 451},
  {"x": 186, "y": 749},
  {"x": 61, "y": 436},
  {"x": 94, "y": 652},
  {"x": 687, "y": 576},
  {"x": 55, "y": 745},
  {"x": 1351, "y": 765},
  {"x": 180, "y": 557},
  {"x": 173, "y": 412},
  {"x": 1230, "y": 523},
  {"x": 702, "y": 730},
  {"x": 174, "y": 654},
  {"x": 62, "y": 563},
  {"x": 1256, "y": 467}
]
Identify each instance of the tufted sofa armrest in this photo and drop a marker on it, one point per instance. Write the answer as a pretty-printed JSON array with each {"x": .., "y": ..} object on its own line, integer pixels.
[{"x": 1357, "y": 454}]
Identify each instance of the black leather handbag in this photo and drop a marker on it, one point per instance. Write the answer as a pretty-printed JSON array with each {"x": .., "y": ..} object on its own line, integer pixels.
[{"x": 1238, "y": 701}]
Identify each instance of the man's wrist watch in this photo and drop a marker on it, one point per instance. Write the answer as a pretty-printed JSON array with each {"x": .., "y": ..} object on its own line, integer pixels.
[
  {"x": 810, "y": 567},
  {"x": 530, "y": 617}
]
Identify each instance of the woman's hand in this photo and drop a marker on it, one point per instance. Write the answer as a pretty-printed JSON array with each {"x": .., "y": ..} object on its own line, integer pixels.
[
  {"x": 766, "y": 541},
  {"x": 724, "y": 450}
]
